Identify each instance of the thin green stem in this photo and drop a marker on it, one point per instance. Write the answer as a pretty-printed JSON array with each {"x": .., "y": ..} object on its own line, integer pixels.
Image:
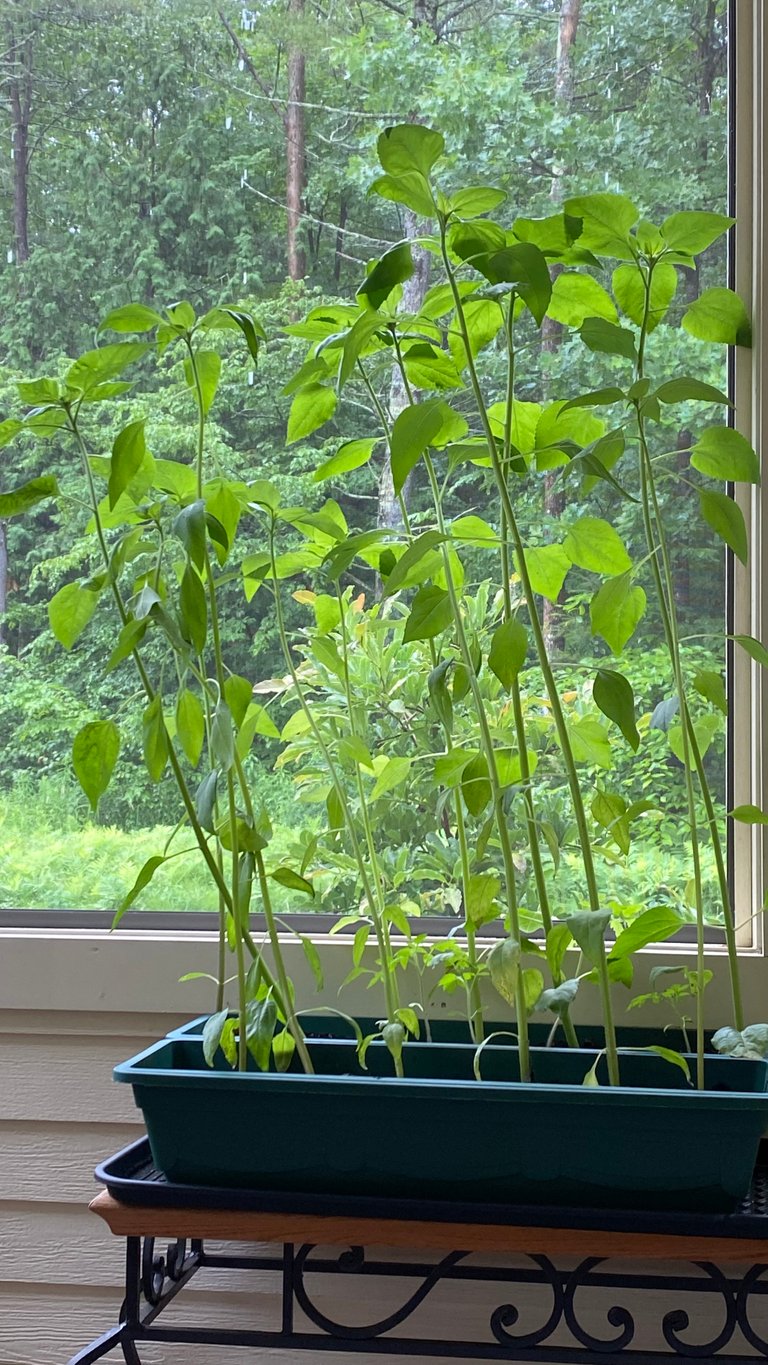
[
  {"x": 294, "y": 1027},
  {"x": 497, "y": 792},
  {"x": 558, "y": 715},
  {"x": 381, "y": 928}
]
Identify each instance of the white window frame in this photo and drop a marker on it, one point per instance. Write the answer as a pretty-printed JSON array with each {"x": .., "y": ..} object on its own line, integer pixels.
[{"x": 138, "y": 970}]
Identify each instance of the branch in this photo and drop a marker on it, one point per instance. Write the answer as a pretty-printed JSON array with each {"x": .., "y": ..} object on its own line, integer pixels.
[{"x": 243, "y": 54}]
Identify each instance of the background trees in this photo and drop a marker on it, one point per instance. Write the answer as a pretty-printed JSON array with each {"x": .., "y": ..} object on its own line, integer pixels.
[{"x": 154, "y": 151}]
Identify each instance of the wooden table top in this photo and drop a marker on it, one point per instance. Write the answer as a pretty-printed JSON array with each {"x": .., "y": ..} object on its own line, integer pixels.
[{"x": 129, "y": 1220}]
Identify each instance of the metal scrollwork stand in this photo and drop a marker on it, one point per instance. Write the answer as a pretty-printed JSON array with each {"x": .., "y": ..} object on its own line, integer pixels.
[{"x": 153, "y": 1280}]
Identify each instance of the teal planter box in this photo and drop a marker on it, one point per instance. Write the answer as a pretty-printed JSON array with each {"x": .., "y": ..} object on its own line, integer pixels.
[
  {"x": 327, "y": 1026},
  {"x": 652, "y": 1143}
]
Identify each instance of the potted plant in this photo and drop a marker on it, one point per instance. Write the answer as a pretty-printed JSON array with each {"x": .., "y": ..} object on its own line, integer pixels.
[{"x": 439, "y": 702}]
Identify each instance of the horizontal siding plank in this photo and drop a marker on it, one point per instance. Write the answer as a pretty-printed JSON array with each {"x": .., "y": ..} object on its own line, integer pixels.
[
  {"x": 61, "y": 1023},
  {"x": 55, "y": 1161},
  {"x": 46, "y": 1328},
  {"x": 66, "y": 1079}
]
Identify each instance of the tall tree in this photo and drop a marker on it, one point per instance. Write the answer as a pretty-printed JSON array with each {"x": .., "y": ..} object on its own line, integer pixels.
[{"x": 295, "y": 149}]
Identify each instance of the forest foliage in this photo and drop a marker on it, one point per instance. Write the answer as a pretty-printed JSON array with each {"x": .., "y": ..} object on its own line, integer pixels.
[{"x": 213, "y": 153}]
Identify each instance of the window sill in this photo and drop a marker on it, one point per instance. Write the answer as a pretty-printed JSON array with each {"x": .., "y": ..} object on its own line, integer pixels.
[{"x": 138, "y": 971}]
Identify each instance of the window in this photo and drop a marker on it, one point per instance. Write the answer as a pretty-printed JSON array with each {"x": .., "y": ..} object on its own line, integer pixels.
[{"x": 155, "y": 168}]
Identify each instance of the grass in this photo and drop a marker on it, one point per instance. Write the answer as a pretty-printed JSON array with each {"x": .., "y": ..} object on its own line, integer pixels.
[{"x": 52, "y": 858}]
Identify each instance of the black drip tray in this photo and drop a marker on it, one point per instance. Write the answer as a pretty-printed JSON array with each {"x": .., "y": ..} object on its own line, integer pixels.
[{"x": 132, "y": 1178}]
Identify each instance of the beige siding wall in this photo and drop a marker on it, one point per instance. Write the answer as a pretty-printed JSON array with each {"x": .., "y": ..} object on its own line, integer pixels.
[{"x": 61, "y": 1271}]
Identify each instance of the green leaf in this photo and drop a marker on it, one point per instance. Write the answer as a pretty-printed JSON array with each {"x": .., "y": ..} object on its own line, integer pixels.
[
  {"x": 613, "y": 694},
  {"x": 94, "y": 755},
  {"x": 193, "y": 609},
  {"x": 719, "y": 315},
  {"x": 726, "y": 519},
  {"x": 394, "y": 772},
  {"x": 409, "y": 147},
  {"x": 128, "y": 453},
  {"x": 132, "y": 317},
  {"x": 222, "y": 737},
  {"x": 190, "y": 724},
  {"x": 629, "y": 291},
  {"x": 651, "y": 926},
  {"x": 608, "y": 339},
  {"x": 155, "y": 738},
  {"x": 616, "y": 610},
  {"x": 606, "y": 221},
  {"x": 238, "y": 694},
  {"x": 286, "y": 876},
  {"x": 559, "y": 999},
  {"x": 208, "y": 367},
  {"x": 427, "y": 367},
  {"x": 144, "y": 878},
  {"x": 283, "y": 1049},
  {"x": 95, "y": 367},
  {"x": 431, "y": 614},
  {"x": 420, "y": 561},
  {"x": 483, "y": 319},
  {"x": 476, "y": 200},
  {"x": 558, "y": 939},
  {"x": 189, "y": 526},
  {"x": 70, "y": 611},
  {"x": 722, "y": 453},
  {"x": 392, "y": 269},
  {"x": 588, "y": 928},
  {"x": 525, "y": 266},
  {"x": 610, "y": 811},
  {"x": 205, "y": 800},
  {"x": 415, "y": 429},
  {"x": 28, "y": 495},
  {"x": 753, "y": 648},
  {"x": 356, "y": 342},
  {"x": 547, "y": 567},
  {"x": 504, "y": 966},
  {"x": 590, "y": 742},
  {"x": 577, "y": 297},
  {"x": 237, "y": 318},
  {"x": 131, "y": 635},
  {"x": 705, "y": 728},
  {"x": 310, "y": 409},
  {"x": 480, "y": 898},
  {"x": 37, "y": 392},
  {"x": 693, "y": 232},
  {"x": 439, "y": 695},
  {"x": 594, "y": 544},
  {"x": 749, "y": 815},
  {"x": 260, "y": 1022},
  {"x": 449, "y": 767},
  {"x": 686, "y": 390},
  {"x": 669, "y": 1055},
  {"x": 509, "y": 647},
  {"x": 711, "y": 686},
  {"x": 351, "y": 455},
  {"x": 475, "y": 785},
  {"x": 411, "y": 188}
]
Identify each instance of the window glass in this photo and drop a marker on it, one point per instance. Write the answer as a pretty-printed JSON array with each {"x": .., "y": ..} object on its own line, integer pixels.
[{"x": 159, "y": 151}]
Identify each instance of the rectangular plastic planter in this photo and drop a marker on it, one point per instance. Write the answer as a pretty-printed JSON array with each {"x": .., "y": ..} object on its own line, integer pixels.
[
  {"x": 439, "y": 1134},
  {"x": 332, "y": 1026}
]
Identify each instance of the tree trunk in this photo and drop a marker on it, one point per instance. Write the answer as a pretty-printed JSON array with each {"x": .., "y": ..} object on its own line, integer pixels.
[
  {"x": 552, "y": 332},
  {"x": 343, "y": 210},
  {"x": 3, "y": 576},
  {"x": 414, "y": 291},
  {"x": 295, "y": 149},
  {"x": 20, "y": 100}
]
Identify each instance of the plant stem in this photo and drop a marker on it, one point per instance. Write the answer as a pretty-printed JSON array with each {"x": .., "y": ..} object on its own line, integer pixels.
[
  {"x": 474, "y": 999},
  {"x": 389, "y": 985},
  {"x": 657, "y": 544},
  {"x": 497, "y": 791},
  {"x": 379, "y": 911},
  {"x": 544, "y": 663},
  {"x": 531, "y": 822},
  {"x": 289, "y": 1012}
]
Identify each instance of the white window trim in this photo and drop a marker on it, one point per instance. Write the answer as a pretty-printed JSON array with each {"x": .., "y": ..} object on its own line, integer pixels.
[{"x": 138, "y": 971}]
